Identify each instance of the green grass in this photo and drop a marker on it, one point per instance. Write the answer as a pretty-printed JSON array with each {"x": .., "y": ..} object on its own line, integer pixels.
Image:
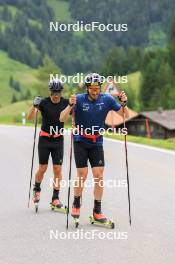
[
  {"x": 16, "y": 121},
  {"x": 15, "y": 109},
  {"x": 20, "y": 72},
  {"x": 134, "y": 82},
  {"x": 159, "y": 143},
  {"x": 61, "y": 10},
  {"x": 12, "y": 113}
]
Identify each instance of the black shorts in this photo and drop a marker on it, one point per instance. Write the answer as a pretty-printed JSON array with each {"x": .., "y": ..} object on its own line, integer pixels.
[
  {"x": 84, "y": 152},
  {"x": 53, "y": 146}
]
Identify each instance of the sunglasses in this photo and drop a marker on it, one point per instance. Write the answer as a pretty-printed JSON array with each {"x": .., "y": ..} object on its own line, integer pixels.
[
  {"x": 55, "y": 93},
  {"x": 94, "y": 89}
]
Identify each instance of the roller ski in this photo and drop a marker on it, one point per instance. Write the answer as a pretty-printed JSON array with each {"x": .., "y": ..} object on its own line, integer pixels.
[
  {"x": 76, "y": 216},
  {"x": 57, "y": 206},
  {"x": 36, "y": 199},
  {"x": 100, "y": 220}
]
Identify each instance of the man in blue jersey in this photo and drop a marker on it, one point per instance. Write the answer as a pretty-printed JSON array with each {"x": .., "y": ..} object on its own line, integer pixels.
[{"x": 89, "y": 112}]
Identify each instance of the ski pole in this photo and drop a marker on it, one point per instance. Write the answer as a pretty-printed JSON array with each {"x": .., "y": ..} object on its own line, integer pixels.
[
  {"x": 127, "y": 167},
  {"x": 36, "y": 122},
  {"x": 126, "y": 159},
  {"x": 70, "y": 167}
]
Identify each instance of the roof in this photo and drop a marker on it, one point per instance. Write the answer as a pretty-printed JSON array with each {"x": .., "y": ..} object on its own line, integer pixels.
[
  {"x": 165, "y": 118},
  {"x": 114, "y": 119}
]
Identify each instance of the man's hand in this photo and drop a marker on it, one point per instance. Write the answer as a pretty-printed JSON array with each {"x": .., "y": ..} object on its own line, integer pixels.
[
  {"x": 123, "y": 102},
  {"x": 72, "y": 100},
  {"x": 122, "y": 97},
  {"x": 37, "y": 101},
  {"x": 64, "y": 115}
]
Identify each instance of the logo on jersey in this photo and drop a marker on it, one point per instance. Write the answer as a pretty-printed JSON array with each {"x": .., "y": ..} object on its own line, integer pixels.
[
  {"x": 100, "y": 105},
  {"x": 86, "y": 107}
]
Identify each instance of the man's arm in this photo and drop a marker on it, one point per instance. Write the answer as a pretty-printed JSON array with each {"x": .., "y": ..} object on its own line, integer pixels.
[
  {"x": 125, "y": 110},
  {"x": 64, "y": 115},
  {"x": 32, "y": 111}
]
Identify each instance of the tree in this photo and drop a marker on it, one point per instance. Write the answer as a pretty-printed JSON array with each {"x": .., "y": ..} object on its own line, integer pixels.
[
  {"x": 115, "y": 62},
  {"x": 14, "y": 99},
  {"x": 6, "y": 14},
  {"x": 48, "y": 67},
  {"x": 16, "y": 86},
  {"x": 26, "y": 96},
  {"x": 148, "y": 83},
  {"x": 11, "y": 80},
  {"x": 158, "y": 81},
  {"x": 134, "y": 59},
  {"x": 164, "y": 85},
  {"x": 172, "y": 46}
]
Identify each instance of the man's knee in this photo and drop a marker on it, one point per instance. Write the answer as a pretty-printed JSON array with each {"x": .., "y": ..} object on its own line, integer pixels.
[
  {"x": 42, "y": 168},
  {"x": 98, "y": 175},
  {"x": 57, "y": 171},
  {"x": 98, "y": 178},
  {"x": 82, "y": 174},
  {"x": 57, "y": 168}
]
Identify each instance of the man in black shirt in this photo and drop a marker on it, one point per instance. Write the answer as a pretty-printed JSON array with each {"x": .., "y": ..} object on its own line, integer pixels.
[{"x": 50, "y": 139}]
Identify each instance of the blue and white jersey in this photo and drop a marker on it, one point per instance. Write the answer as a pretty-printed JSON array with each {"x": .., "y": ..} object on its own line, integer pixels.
[{"x": 91, "y": 114}]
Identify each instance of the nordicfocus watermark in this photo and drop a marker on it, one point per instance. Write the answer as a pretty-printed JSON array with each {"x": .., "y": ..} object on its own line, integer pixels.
[
  {"x": 94, "y": 130},
  {"x": 89, "y": 183},
  {"x": 80, "y": 234},
  {"x": 80, "y": 26},
  {"x": 79, "y": 78}
]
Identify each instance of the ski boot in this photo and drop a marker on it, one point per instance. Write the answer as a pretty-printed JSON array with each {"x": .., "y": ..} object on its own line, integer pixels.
[
  {"x": 57, "y": 206},
  {"x": 36, "y": 199},
  {"x": 100, "y": 220},
  {"x": 76, "y": 215}
]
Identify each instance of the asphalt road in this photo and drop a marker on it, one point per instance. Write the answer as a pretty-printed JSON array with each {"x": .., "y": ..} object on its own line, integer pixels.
[{"x": 27, "y": 237}]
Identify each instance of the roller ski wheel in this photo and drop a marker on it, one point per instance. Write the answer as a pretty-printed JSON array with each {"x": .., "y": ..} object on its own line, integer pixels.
[
  {"x": 36, "y": 207},
  {"x": 76, "y": 222},
  {"x": 76, "y": 216},
  {"x": 57, "y": 206},
  {"x": 36, "y": 199},
  {"x": 102, "y": 221}
]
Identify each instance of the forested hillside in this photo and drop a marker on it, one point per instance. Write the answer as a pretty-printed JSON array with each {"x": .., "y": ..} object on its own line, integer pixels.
[
  {"x": 25, "y": 24},
  {"x": 146, "y": 49}
]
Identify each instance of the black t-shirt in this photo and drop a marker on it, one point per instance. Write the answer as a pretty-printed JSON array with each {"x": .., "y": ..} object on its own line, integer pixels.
[{"x": 50, "y": 114}]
